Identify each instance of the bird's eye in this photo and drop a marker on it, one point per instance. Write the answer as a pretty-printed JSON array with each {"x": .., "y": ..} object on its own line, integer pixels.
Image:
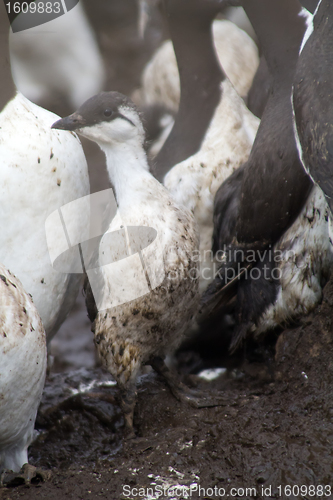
[{"x": 108, "y": 112}]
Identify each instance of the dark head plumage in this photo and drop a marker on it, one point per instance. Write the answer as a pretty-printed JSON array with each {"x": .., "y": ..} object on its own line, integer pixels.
[{"x": 103, "y": 107}]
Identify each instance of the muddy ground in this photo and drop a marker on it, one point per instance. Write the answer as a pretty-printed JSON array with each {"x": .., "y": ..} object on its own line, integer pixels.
[{"x": 273, "y": 426}]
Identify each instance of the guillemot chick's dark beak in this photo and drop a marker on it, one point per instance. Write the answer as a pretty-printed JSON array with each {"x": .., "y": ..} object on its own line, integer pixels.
[{"x": 71, "y": 122}]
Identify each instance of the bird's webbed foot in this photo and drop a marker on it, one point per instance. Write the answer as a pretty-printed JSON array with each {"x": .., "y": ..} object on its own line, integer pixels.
[{"x": 26, "y": 475}]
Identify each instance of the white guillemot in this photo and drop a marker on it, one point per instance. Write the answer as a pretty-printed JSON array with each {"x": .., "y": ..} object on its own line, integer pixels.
[
  {"x": 151, "y": 323},
  {"x": 22, "y": 370},
  {"x": 40, "y": 171}
]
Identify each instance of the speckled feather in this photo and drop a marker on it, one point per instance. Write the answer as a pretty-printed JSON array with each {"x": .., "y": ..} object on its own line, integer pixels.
[
  {"x": 266, "y": 201},
  {"x": 130, "y": 334},
  {"x": 305, "y": 266},
  {"x": 22, "y": 370},
  {"x": 46, "y": 171},
  {"x": 136, "y": 322},
  {"x": 304, "y": 258}
]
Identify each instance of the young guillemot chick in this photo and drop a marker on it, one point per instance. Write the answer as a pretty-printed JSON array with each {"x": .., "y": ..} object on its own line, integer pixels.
[
  {"x": 264, "y": 210},
  {"x": 22, "y": 370},
  {"x": 312, "y": 100},
  {"x": 213, "y": 131},
  {"x": 40, "y": 171},
  {"x": 152, "y": 322}
]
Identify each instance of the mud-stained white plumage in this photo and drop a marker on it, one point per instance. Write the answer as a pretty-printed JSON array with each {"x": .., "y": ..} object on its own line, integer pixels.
[
  {"x": 307, "y": 248},
  {"x": 152, "y": 297},
  {"x": 154, "y": 324},
  {"x": 40, "y": 171},
  {"x": 304, "y": 264},
  {"x": 238, "y": 55},
  {"x": 60, "y": 57},
  {"x": 226, "y": 146},
  {"x": 22, "y": 370}
]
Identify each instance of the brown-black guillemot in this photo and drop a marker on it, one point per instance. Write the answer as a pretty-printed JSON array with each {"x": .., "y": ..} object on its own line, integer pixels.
[
  {"x": 312, "y": 100},
  {"x": 265, "y": 216}
]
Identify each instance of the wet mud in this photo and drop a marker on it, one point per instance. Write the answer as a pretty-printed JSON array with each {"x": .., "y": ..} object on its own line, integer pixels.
[
  {"x": 266, "y": 432},
  {"x": 273, "y": 426}
]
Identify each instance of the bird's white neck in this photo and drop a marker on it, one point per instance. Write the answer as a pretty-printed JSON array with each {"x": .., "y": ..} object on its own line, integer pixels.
[{"x": 128, "y": 170}]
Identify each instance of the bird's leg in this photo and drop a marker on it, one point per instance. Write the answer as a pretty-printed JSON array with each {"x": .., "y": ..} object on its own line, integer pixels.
[
  {"x": 177, "y": 388},
  {"x": 127, "y": 405},
  {"x": 27, "y": 474},
  {"x": 195, "y": 398}
]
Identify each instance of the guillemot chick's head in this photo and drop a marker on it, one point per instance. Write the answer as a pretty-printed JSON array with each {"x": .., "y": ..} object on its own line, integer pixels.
[{"x": 105, "y": 118}]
